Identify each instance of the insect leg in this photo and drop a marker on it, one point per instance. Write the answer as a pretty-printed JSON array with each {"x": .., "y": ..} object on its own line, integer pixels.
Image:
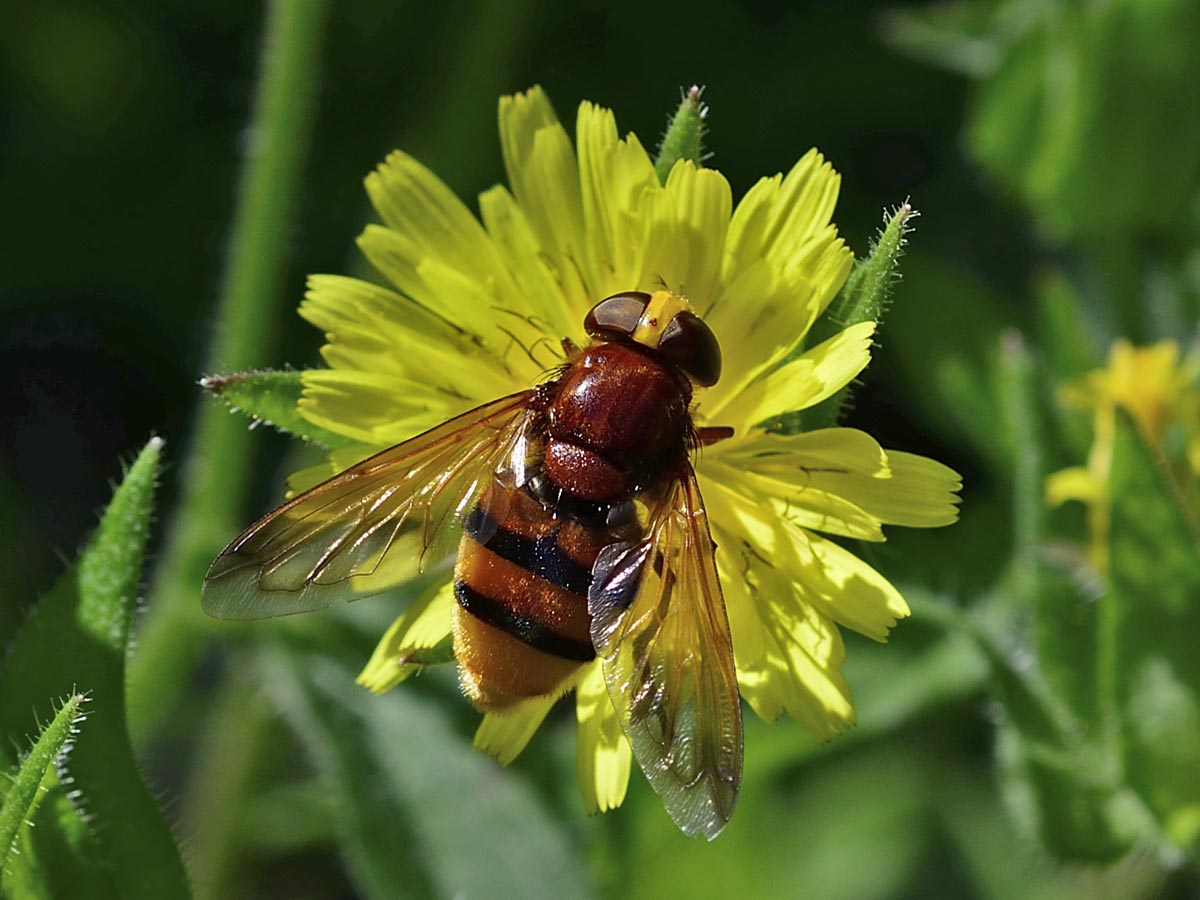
[{"x": 713, "y": 434}]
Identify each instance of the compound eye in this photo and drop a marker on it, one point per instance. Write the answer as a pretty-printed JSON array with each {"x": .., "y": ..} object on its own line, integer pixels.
[
  {"x": 691, "y": 345},
  {"x": 617, "y": 316}
]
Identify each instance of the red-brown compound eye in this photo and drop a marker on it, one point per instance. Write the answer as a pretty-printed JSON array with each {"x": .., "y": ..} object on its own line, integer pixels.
[
  {"x": 692, "y": 346},
  {"x": 615, "y": 317}
]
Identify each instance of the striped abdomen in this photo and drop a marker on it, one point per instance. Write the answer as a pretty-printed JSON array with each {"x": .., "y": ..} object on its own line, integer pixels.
[{"x": 521, "y": 625}]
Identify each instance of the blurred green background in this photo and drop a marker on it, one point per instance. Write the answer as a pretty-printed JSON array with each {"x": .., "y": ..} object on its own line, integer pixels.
[{"x": 1053, "y": 150}]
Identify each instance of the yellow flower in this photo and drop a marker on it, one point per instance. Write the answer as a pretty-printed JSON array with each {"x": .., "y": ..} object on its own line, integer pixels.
[
  {"x": 477, "y": 311},
  {"x": 1158, "y": 390}
]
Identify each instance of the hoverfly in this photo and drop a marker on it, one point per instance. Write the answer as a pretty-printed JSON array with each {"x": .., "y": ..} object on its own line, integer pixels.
[{"x": 582, "y": 534}]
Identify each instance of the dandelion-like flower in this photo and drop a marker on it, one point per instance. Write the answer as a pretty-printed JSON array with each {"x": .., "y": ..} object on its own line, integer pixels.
[
  {"x": 1160, "y": 391},
  {"x": 477, "y": 310}
]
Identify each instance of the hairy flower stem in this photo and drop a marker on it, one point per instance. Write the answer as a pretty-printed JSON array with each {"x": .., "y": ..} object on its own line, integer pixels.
[{"x": 219, "y": 466}]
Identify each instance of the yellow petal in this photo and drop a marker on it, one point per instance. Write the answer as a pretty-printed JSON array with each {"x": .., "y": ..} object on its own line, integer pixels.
[
  {"x": 800, "y": 501},
  {"x": 375, "y": 409},
  {"x": 845, "y": 588},
  {"x": 891, "y": 488},
  {"x": 544, "y": 177},
  {"x": 603, "y": 755},
  {"x": 786, "y": 222},
  {"x": 338, "y": 303},
  {"x": 830, "y": 579},
  {"x": 788, "y": 656},
  {"x": 807, "y": 198},
  {"x": 758, "y": 320},
  {"x": 827, "y": 261},
  {"x": 701, "y": 206},
  {"x": 813, "y": 376},
  {"x": 921, "y": 492},
  {"x": 505, "y": 734},
  {"x": 491, "y": 314},
  {"x": 423, "y": 626},
  {"x": 596, "y": 142},
  {"x": 749, "y": 226},
  {"x": 780, "y": 216},
  {"x": 309, "y": 477},
  {"x": 617, "y": 179},
  {"x": 631, "y": 183},
  {"x": 775, "y": 454},
  {"x": 1075, "y": 483},
  {"x": 682, "y": 228},
  {"x": 507, "y": 224},
  {"x": 415, "y": 204},
  {"x": 373, "y": 329}
]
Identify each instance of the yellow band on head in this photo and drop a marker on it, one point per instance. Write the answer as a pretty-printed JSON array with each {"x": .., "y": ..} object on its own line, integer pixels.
[{"x": 662, "y": 308}]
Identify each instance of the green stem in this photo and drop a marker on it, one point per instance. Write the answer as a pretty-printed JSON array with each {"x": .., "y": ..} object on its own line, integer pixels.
[
  {"x": 1020, "y": 417},
  {"x": 218, "y": 470},
  {"x": 228, "y": 764}
]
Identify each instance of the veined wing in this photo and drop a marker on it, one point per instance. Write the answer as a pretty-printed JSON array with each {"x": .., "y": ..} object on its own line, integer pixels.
[
  {"x": 373, "y": 526},
  {"x": 660, "y": 630}
]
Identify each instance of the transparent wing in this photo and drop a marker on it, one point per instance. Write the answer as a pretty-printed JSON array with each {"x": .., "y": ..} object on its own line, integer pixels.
[
  {"x": 660, "y": 630},
  {"x": 373, "y": 526}
]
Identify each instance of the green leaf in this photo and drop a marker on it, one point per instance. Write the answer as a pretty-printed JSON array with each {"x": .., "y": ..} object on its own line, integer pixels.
[
  {"x": 959, "y": 37},
  {"x": 684, "y": 138},
  {"x": 1030, "y": 705},
  {"x": 1067, "y": 332},
  {"x": 1155, "y": 618},
  {"x": 1062, "y": 774},
  {"x": 26, "y": 788},
  {"x": 78, "y": 635},
  {"x": 1069, "y": 342},
  {"x": 998, "y": 858},
  {"x": 1067, "y": 612},
  {"x": 420, "y": 812},
  {"x": 801, "y": 833},
  {"x": 1111, "y": 703},
  {"x": 271, "y": 397},
  {"x": 1043, "y": 123},
  {"x": 1069, "y": 785},
  {"x": 284, "y": 820},
  {"x": 897, "y": 684}
]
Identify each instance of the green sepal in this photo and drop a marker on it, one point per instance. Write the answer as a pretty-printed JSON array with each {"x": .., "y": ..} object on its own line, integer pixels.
[
  {"x": 684, "y": 138},
  {"x": 869, "y": 286},
  {"x": 79, "y": 635},
  {"x": 271, "y": 397},
  {"x": 27, "y": 787},
  {"x": 863, "y": 298}
]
